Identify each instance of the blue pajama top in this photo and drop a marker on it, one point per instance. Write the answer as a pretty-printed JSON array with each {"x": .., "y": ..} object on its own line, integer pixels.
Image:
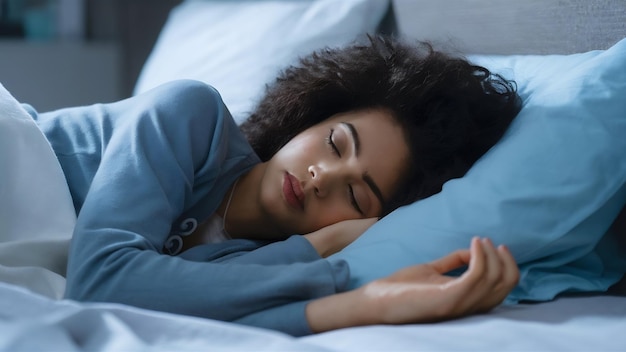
[{"x": 148, "y": 169}]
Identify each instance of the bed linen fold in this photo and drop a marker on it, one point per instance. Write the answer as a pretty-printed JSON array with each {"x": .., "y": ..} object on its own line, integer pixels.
[{"x": 36, "y": 212}]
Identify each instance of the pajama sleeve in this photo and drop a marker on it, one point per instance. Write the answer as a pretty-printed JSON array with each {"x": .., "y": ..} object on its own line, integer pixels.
[
  {"x": 295, "y": 249},
  {"x": 153, "y": 155}
]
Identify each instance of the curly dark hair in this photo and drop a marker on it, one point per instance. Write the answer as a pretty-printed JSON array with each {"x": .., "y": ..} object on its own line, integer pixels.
[{"x": 451, "y": 111}]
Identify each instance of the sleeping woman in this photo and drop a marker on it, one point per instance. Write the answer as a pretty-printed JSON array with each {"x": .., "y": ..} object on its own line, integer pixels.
[{"x": 181, "y": 210}]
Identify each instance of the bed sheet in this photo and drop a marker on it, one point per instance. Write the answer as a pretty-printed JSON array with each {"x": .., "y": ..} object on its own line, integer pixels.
[{"x": 593, "y": 323}]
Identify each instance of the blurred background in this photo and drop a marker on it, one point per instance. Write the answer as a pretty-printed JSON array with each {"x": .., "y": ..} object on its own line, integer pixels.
[{"x": 59, "y": 53}]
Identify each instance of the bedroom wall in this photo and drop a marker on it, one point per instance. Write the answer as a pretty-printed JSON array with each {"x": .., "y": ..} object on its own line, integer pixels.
[
  {"x": 121, "y": 34},
  {"x": 53, "y": 75},
  {"x": 139, "y": 24},
  {"x": 100, "y": 67}
]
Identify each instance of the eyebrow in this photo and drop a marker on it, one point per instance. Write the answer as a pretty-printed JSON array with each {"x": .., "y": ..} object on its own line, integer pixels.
[{"x": 366, "y": 177}]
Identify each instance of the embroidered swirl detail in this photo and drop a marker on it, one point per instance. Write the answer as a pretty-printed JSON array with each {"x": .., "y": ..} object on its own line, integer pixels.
[
  {"x": 188, "y": 226},
  {"x": 174, "y": 244}
]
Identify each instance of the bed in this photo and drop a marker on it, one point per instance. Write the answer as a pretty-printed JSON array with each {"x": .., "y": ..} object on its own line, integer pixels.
[{"x": 553, "y": 189}]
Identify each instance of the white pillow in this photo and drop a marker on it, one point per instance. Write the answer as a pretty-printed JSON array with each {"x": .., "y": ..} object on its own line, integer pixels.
[
  {"x": 239, "y": 46},
  {"x": 36, "y": 211}
]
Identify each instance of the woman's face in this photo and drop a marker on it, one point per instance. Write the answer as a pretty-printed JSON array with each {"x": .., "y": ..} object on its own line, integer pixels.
[{"x": 342, "y": 168}]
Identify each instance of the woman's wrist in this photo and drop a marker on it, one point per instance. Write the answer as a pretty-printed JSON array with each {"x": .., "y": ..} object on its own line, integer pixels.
[
  {"x": 321, "y": 241},
  {"x": 342, "y": 310}
]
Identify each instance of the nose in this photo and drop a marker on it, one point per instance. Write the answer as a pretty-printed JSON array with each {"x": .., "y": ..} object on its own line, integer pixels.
[
  {"x": 326, "y": 177},
  {"x": 318, "y": 180}
]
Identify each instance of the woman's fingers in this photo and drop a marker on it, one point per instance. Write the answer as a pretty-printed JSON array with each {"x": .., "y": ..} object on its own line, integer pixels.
[
  {"x": 495, "y": 266},
  {"x": 451, "y": 261},
  {"x": 494, "y": 285},
  {"x": 511, "y": 270},
  {"x": 488, "y": 264},
  {"x": 500, "y": 279},
  {"x": 491, "y": 275},
  {"x": 477, "y": 263}
]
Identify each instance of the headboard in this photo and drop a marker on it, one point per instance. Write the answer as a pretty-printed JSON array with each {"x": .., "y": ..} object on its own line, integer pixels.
[{"x": 513, "y": 26}]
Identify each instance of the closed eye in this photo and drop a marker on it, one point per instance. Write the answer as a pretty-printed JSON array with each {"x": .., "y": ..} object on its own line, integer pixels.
[
  {"x": 353, "y": 201},
  {"x": 333, "y": 146}
]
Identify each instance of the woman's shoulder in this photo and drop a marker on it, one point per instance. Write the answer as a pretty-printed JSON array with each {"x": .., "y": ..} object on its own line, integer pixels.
[
  {"x": 184, "y": 92},
  {"x": 180, "y": 101}
]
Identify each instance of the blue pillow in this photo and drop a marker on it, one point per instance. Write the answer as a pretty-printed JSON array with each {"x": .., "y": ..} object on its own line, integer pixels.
[{"x": 549, "y": 190}]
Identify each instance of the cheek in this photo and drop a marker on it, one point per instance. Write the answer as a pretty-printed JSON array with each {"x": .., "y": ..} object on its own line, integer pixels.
[
  {"x": 296, "y": 156},
  {"x": 299, "y": 147}
]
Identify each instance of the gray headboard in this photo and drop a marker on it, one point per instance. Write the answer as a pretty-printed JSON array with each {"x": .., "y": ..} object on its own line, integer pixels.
[{"x": 513, "y": 26}]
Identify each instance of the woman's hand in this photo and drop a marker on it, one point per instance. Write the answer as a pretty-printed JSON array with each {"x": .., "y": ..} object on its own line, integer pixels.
[
  {"x": 333, "y": 238},
  {"x": 422, "y": 293}
]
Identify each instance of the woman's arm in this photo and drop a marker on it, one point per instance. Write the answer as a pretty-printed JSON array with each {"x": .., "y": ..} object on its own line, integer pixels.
[
  {"x": 134, "y": 167},
  {"x": 295, "y": 249},
  {"x": 422, "y": 293}
]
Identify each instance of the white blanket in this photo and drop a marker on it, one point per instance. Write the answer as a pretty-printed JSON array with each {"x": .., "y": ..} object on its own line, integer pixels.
[
  {"x": 36, "y": 211},
  {"x": 569, "y": 324}
]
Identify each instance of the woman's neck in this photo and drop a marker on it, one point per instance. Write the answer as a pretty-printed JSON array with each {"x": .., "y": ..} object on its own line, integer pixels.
[{"x": 244, "y": 216}]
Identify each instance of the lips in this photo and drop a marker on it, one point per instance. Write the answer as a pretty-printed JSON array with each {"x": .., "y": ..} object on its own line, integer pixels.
[{"x": 293, "y": 192}]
